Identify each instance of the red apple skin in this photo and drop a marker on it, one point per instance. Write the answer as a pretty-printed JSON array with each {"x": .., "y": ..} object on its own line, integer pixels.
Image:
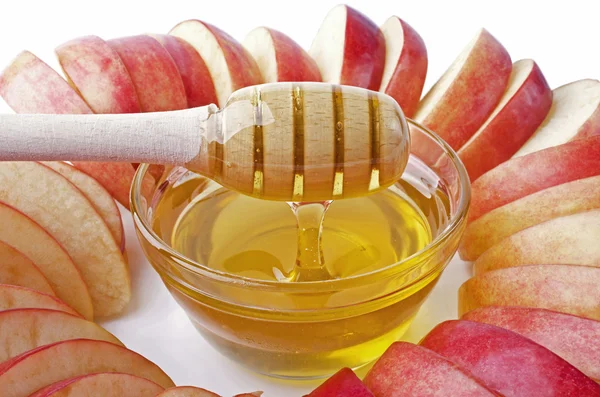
[
  {"x": 242, "y": 67},
  {"x": 154, "y": 74},
  {"x": 408, "y": 370},
  {"x": 507, "y": 362},
  {"x": 471, "y": 96},
  {"x": 522, "y": 176},
  {"x": 198, "y": 83},
  {"x": 342, "y": 383},
  {"x": 99, "y": 75},
  {"x": 29, "y": 85},
  {"x": 293, "y": 63},
  {"x": 511, "y": 127},
  {"x": 364, "y": 52},
  {"x": 408, "y": 79},
  {"x": 575, "y": 339}
]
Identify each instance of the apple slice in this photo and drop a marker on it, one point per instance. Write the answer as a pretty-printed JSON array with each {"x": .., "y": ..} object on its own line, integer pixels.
[
  {"x": 342, "y": 383},
  {"x": 561, "y": 200},
  {"x": 575, "y": 114},
  {"x": 24, "y": 234},
  {"x": 48, "y": 364},
  {"x": 99, "y": 75},
  {"x": 154, "y": 74},
  {"x": 563, "y": 288},
  {"x": 279, "y": 58},
  {"x": 98, "y": 196},
  {"x": 103, "y": 384},
  {"x": 529, "y": 174},
  {"x": 349, "y": 49},
  {"x": 187, "y": 391},
  {"x": 28, "y": 85},
  {"x": 566, "y": 240},
  {"x": 198, "y": 83},
  {"x": 508, "y": 362},
  {"x": 575, "y": 339},
  {"x": 231, "y": 66},
  {"x": 521, "y": 110},
  {"x": 22, "y": 330},
  {"x": 41, "y": 193},
  {"x": 405, "y": 64},
  {"x": 18, "y": 269},
  {"x": 462, "y": 99},
  {"x": 15, "y": 297},
  {"x": 406, "y": 369}
]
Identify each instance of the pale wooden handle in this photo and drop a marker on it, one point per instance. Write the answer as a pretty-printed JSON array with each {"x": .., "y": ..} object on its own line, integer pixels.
[{"x": 162, "y": 138}]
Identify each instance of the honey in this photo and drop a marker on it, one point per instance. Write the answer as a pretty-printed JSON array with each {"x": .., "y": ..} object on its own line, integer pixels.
[{"x": 301, "y": 307}]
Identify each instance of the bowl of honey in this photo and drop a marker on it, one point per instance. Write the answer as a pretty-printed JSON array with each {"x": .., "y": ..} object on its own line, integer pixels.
[{"x": 299, "y": 290}]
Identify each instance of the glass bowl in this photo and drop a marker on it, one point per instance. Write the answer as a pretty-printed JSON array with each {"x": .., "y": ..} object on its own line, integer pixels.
[{"x": 308, "y": 329}]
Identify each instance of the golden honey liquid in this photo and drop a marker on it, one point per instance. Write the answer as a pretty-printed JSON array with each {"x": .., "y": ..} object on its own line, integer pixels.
[{"x": 258, "y": 239}]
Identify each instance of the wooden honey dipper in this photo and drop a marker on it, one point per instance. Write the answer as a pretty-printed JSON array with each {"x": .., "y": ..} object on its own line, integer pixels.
[{"x": 282, "y": 141}]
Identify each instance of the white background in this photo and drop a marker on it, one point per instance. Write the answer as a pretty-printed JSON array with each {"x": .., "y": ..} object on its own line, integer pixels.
[{"x": 561, "y": 36}]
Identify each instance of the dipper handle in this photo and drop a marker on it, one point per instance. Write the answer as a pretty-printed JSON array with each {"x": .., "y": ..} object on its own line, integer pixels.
[{"x": 281, "y": 141}]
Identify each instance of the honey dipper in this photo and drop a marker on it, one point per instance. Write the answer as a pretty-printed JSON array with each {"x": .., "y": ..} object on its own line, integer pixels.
[{"x": 281, "y": 141}]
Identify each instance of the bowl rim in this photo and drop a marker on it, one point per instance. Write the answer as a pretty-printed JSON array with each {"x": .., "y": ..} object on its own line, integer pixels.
[{"x": 405, "y": 265}]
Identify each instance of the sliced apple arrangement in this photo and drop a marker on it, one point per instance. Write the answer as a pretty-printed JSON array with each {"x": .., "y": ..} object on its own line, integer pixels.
[{"x": 531, "y": 313}]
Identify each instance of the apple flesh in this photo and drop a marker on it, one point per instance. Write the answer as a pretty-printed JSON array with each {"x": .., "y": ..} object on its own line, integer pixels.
[
  {"x": 349, "y": 49},
  {"x": 99, "y": 75},
  {"x": 522, "y": 176},
  {"x": 575, "y": 114},
  {"x": 103, "y": 384},
  {"x": 18, "y": 269},
  {"x": 567, "y": 240},
  {"x": 342, "y": 383},
  {"x": 230, "y": 65},
  {"x": 575, "y": 339},
  {"x": 22, "y": 330},
  {"x": 198, "y": 83},
  {"x": 154, "y": 74},
  {"x": 507, "y": 362},
  {"x": 28, "y": 85},
  {"x": 23, "y": 375},
  {"x": 405, "y": 66},
  {"x": 406, "y": 369},
  {"x": 41, "y": 193},
  {"x": 15, "y": 297},
  {"x": 521, "y": 110},
  {"x": 561, "y": 200},
  {"x": 187, "y": 391},
  {"x": 463, "y": 98},
  {"x": 24, "y": 234},
  {"x": 98, "y": 196},
  {"x": 563, "y": 288},
  {"x": 279, "y": 58}
]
